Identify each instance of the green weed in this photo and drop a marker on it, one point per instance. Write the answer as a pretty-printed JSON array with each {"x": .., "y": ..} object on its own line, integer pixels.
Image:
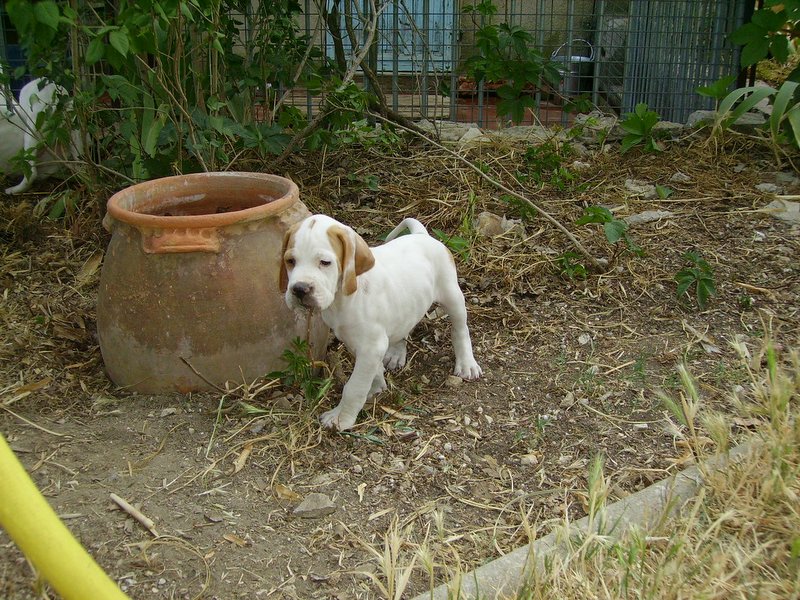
[
  {"x": 639, "y": 127},
  {"x": 613, "y": 228},
  {"x": 301, "y": 373},
  {"x": 698, "y": 276}
]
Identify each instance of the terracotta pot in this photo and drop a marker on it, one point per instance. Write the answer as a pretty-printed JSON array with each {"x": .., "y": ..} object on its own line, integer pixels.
[{"x": 189, "y": 287}]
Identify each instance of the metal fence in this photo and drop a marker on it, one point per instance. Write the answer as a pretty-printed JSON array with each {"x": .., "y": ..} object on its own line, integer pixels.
[{"x": 613, "y": 54}]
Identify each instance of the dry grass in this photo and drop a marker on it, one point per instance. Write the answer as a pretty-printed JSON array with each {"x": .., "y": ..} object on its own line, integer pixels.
[
  {"x": 435, "y": 480},
  {"x": 738, "y": 538}
]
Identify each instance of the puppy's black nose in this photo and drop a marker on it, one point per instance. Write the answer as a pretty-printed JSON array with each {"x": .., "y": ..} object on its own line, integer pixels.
[{"x": 301, "y": 289}]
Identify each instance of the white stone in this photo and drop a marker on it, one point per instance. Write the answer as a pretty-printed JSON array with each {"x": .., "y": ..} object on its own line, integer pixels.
[
  {"x": 314, "y": 505},
  {"x": 784, "y": 210}
]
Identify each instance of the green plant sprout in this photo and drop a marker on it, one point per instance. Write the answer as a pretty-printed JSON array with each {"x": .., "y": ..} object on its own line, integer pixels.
[
  {"x": 300, "y": 373},
  {"x": 698, "y": 276},
  {"x": 614, "y": 229},
  {"x": 639, "y": 127}
]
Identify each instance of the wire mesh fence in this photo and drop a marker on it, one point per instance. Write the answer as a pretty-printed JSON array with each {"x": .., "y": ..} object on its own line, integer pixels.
[{"x": 611, "y": 54}]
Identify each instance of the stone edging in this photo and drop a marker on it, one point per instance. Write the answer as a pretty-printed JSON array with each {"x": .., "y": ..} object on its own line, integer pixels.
[{"x": 502, "y": 577}]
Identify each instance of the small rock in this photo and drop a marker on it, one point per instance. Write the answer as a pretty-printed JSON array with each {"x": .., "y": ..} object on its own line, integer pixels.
[
  {"x": 680, "y": 178},
  {"x": 168, "y": 412},
  {"x": 768, "y": 188},
  {"x": 453, "y": 381},
  {"x": 283, "y": 403},
  {"x": 322, "y": 479},
  {"x": 647, "y": 216},
  {"x": 739, "y": 168},
  {"x": 569, "y": 400},
  {"x": 784, "y": 210},
  {"x": 358, "y": 469},
  {"x": 473, "y": 135},
  {"x": 398, "y": 466},
  {"x": 787, "y": 178},
  {"x": 746, "y": 122},
  {"x": 584, "y": 339},
  {"x": 490, "y": 225},
  {"x": 668, "y": 126},
  {"x": 635, "y": 187},
  {"x": 376, "y": 457},
  {"x": 314, "y": 506},
  {"x": 700, "y": 118},
  {"x": 529, "y": 460},
  {"x": 579, "y": 165}
]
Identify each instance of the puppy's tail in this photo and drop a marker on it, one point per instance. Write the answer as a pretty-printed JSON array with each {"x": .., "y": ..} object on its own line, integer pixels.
[{"x": 413, "y": 226}]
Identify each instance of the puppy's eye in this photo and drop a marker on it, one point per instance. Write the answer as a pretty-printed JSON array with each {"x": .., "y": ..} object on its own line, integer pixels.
[
  {"x": 325, "y": 263},
  {"x": 290, "y": 262}
]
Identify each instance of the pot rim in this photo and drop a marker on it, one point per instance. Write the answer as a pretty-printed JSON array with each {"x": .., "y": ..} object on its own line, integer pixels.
[{"x": 200, "y": 183}]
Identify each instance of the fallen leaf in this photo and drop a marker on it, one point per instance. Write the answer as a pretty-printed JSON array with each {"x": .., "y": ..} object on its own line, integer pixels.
[
  {"x": 283, "y": 492},
  {"x": 397, "y": 414},
  {"x": 235, "y": 539},
  {"x": 241, "y": 460},
  {"x": 379, "y": 514},
  {"x": 89, "y": 268},
  {"x": 33, "y": 386},
  {"x": 361, "y": 489}
]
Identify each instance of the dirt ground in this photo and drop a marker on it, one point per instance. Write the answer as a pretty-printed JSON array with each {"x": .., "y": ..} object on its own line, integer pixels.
[{"x": 463, "y": 471}]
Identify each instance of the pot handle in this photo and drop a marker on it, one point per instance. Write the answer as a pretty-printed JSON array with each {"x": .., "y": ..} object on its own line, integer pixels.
[{"x": 173, "y": 241}]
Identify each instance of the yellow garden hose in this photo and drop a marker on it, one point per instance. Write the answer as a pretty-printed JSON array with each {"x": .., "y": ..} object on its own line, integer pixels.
[{"x": 45, "y": 540}]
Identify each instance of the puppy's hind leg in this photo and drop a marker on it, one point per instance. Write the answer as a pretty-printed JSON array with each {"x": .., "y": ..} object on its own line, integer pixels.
[
  {"x": 453, "y": 302},
  {"x": 395, "y": 357},
  {"x": 29, "y": 142}
]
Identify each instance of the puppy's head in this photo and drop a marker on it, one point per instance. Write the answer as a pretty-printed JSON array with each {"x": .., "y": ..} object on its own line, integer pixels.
[{"x": 321, "y": 257}]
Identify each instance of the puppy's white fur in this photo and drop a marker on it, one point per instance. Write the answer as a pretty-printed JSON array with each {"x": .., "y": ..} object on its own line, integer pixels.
[
  {"x": 372, "y": 298},
  {"x": 18, "y": 130}
]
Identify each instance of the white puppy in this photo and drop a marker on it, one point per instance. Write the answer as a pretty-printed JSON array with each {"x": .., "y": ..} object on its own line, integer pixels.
[
  {"x": 18, "y": 131},
  {"x": 372, "y": 298}
]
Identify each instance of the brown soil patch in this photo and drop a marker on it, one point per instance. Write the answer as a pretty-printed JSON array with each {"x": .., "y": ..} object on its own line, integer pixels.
[{"x": 571, "y": 371}]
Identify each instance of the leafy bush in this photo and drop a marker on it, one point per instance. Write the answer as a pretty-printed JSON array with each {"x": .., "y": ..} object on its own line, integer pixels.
[
  {"x": 165, "y": 86},
  {"x": 773, "y": 30},
  {"x": 506, "y": 54},
  {"x": 545, "y": 164}
]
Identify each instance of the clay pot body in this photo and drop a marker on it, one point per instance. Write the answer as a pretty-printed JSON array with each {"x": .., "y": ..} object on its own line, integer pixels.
[{"x": 189, "y": 287}]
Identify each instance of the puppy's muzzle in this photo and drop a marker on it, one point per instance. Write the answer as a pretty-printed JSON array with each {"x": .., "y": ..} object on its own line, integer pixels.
[{"x": 304, "y": 292}]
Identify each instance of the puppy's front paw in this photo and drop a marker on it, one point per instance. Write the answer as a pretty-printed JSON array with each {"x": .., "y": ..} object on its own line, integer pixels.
[
  {"x": 468, "y": 370},
  {"x": 333, "y": 419}
]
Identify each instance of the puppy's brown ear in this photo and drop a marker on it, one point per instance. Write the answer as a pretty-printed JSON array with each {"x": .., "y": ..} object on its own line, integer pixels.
[
  {"x": 288, "y": 242},
  {"x": 356, "y": 257}
]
